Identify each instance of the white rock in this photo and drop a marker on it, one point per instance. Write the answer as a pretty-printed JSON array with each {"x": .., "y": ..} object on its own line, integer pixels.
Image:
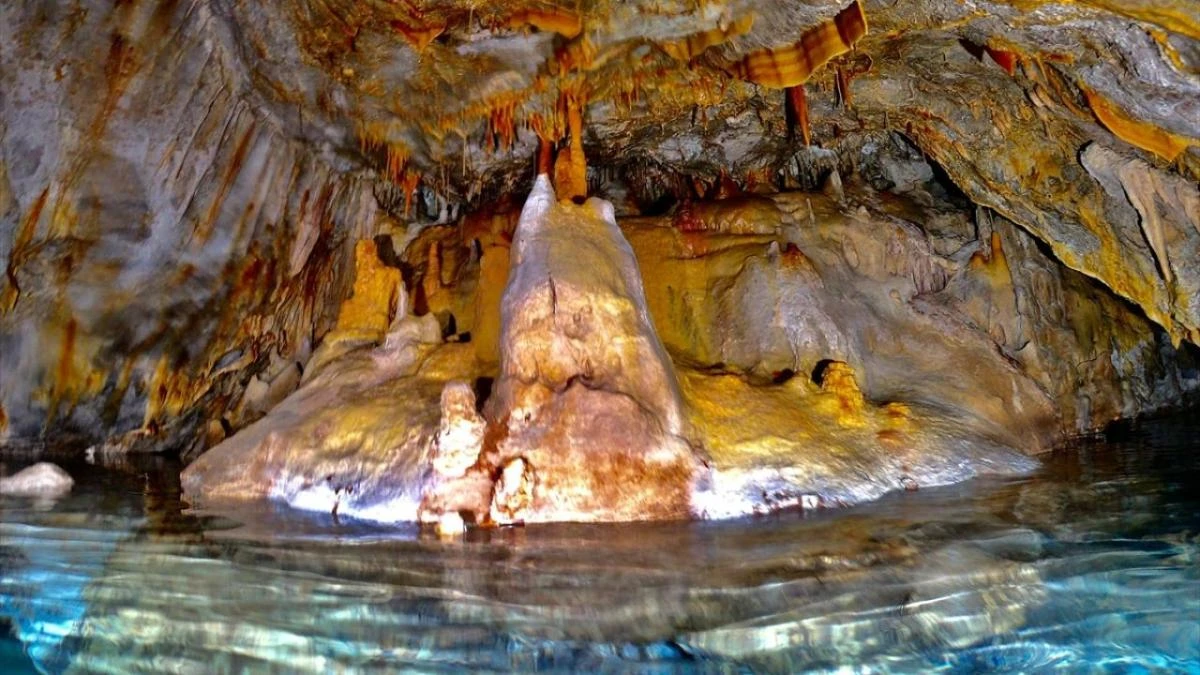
[
  {"x": 40, "y": 480},
  {"x": 450, "y": 525},
  {"x": 460, "y": 435}
]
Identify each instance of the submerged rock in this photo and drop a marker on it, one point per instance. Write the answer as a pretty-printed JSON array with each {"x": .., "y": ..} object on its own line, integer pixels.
[{"x": 40, "y": 480}]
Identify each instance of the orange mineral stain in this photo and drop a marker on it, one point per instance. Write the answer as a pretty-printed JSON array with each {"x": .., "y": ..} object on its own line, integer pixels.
[
  {"x": 1136, "y": 132},
  {"x": 790, "y": 65}
]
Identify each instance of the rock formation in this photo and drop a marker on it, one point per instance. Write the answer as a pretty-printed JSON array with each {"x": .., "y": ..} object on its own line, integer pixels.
[
  {"x": 241, "y": 231},
  {"x": 40, "y": 480},
  {"x": 586, "y": 399}
]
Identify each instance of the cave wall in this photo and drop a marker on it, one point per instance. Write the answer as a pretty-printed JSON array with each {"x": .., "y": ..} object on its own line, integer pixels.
[
  {"x": 929, "y": 300},
  {"x": 162, "y": 239},
  {"x": 182, "y": 184}
]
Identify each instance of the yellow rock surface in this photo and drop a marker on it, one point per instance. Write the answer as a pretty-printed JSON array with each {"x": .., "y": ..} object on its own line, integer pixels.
[
  {"x": 841, "y": 398},
  {"x": 493, "y": 275},
  {"x": 368, "y": 312}
]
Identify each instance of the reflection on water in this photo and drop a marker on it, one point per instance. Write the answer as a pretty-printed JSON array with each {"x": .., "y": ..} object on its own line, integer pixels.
[{"x": 1091, "y": 565}]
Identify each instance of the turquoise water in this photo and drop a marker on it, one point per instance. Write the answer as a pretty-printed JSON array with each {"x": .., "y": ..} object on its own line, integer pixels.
[{"x": 1091, "y": 565}]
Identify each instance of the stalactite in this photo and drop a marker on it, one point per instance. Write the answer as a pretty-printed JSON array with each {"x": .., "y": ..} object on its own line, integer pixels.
[
  {"x": 502, "y": 128},
  {"x": 843, "y": 88},
  {"x": 409, "y": 183},
  {"x": 797, "y": 106},
  {"x": 545, "y": 156},
  {"x": 570, "y": 171}
]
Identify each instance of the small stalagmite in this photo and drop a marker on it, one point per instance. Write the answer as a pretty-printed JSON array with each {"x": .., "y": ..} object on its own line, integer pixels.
[{"x": 842, "y": 395}]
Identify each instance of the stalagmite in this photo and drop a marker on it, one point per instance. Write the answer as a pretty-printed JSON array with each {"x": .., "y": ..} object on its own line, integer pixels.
[{"x": 586, "y": 395}]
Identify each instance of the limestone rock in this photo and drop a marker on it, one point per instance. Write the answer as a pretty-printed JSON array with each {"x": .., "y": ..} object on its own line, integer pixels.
[
  {"x": 586, "y": 393},
  {"x": 794, "y": 445},
  {"x": 513, "y": 495},
  {"x": 493, "y": 277},
  {"x": 842, "y": 394},
  {"x": 188, "y": 192},
  {"x": 357, "y": 440},
  {"x": 1166, "y": 208},
  {"x": 460, "y": 434},
  {"x": 367, "y": 313},
  {"x": 774, "y": 316},
  {"x": 40, "y": 480},
  {"x": 450, "y": 526}
]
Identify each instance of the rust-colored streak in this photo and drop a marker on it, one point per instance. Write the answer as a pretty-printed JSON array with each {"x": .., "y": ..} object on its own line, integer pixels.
[
  {"x": 12, "y": 289},
  {"x": 797, "y": 101},
  {"x": 409, "y": 184},
  {"x": 1136, "y": 132},
  {"x": 1003, "y": 58},
  {"x": 119, "y": 68},
  {"x": 67, "y": 355},
  {"x": 550, "y": 19},
  {"x": 792, "y": 65},
  {"x": 417, "y": 34},
  {"x": 204, "y": 228},
  {"x": 794, "y": 258},
  {"x": 570, "y": 176},
  {"x": 112, "y": 407},
  {"x": 62, "y": 374},
  {"x": 545, "y": 156},
  {"x": 577, "y": 54}
]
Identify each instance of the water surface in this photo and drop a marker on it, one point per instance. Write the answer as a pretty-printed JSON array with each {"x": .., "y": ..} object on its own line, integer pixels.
[{"x": 1090, "y": 565}]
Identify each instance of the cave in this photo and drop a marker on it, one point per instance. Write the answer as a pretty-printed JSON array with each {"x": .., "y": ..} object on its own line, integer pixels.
[{"x": 489, "y": 290}]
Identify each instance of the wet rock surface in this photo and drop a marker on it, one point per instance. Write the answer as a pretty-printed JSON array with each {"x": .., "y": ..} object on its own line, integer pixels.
[
  {"x": 40, "y": 480},
  {"x": 215, "y": 211},
  {"x": 758, "y": 407}
]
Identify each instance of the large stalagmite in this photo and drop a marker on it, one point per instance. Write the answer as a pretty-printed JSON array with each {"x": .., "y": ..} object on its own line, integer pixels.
[
  {"x": 586, "y": 394},
  {"x": 586, "y": 418},
  {"x": 585, "y": 422}
]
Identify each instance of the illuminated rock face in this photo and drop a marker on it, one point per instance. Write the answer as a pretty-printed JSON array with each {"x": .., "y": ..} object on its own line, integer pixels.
[
  {"x": 585, "y": 413},
  {"x": 574, "y": 312},
  {"x": 828, "y": 354},
  {"x": 206, "y": 210},
  {"x": 40, "y": 480},
  {"x": 356, "y": 440}
]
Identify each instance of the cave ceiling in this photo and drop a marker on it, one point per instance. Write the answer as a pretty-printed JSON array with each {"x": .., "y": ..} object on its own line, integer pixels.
[{"x": 452, "y": 97}]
